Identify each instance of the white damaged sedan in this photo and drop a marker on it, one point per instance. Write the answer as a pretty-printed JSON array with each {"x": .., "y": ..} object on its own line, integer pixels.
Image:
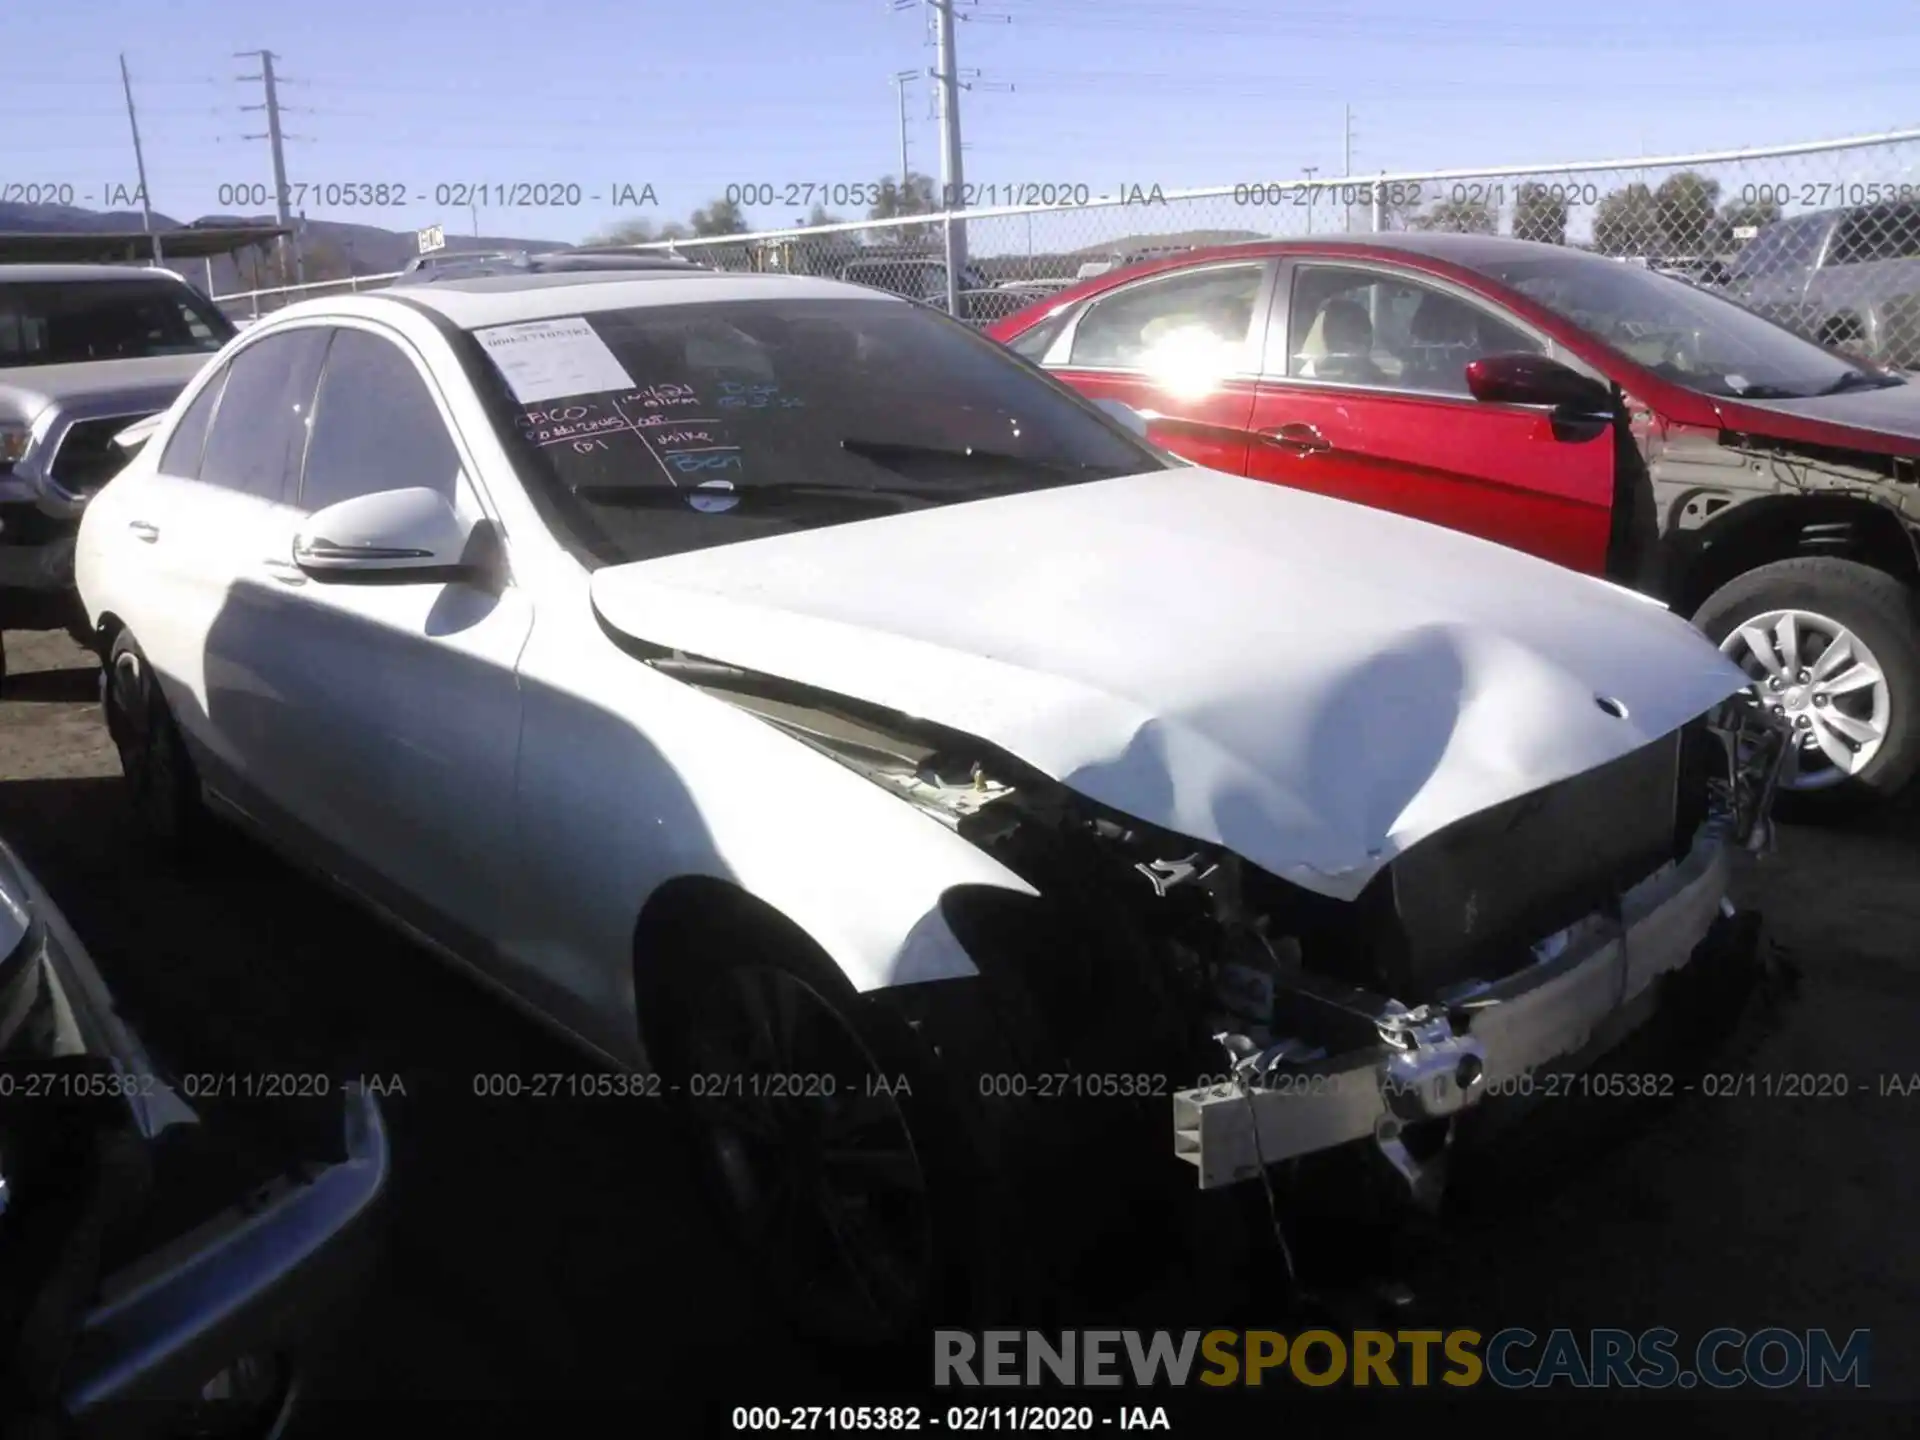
[{"x": 879, "y": 752}]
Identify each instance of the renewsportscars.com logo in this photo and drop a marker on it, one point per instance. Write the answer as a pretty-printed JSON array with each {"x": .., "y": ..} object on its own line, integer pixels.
[{"x": 1721, "y": 1359}]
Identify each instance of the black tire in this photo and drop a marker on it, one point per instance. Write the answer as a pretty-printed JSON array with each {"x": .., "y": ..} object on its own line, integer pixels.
[
  {"x": 1882, "y": 612},
  {"x": 162, "y": 786},
  {"x": 929, "y": 1244}
]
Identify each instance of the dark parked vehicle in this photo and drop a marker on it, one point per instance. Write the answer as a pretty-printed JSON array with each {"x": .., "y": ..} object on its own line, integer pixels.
[
  {"x": 1846, "y": 278},
  {"x": 160, "y": 1275},
  {"x": 1595, "y": 413}
]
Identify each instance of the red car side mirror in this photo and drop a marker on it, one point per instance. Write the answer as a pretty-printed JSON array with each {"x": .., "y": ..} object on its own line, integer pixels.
[{"x": 1523, "y": 379}]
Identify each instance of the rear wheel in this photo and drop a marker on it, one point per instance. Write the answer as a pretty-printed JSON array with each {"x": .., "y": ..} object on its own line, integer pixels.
[
  {"x": 161, "y": 783},
  {"x": 1833, "y": 648}
]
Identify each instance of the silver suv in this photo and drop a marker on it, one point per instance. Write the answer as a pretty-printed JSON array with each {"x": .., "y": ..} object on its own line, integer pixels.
[{"x": 85, "y": 351}]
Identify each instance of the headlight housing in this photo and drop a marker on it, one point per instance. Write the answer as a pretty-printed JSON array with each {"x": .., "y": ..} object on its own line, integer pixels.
[{"x": 14, "y": 439}]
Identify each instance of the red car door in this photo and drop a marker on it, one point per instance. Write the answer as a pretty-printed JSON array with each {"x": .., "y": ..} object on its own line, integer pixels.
[
  {"x": 1183, "y": 348},
  {"x": 1364, "y": 397}
]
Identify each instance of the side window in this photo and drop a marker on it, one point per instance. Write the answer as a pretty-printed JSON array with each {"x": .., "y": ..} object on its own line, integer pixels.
[
  {"x": 1198, "y": 319},
  {"x": 189, "y": 439},
  {"x": 1035, "y": 343},
  {"x": 376, "y": 427},
  {"x": 260, "y": 428},
  {"x": 1886, "y": 233},
  {"x": 1358, "y": 327}
]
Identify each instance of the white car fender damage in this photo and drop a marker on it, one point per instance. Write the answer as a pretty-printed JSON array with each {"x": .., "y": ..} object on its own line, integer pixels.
[{"x": 702, "y": 789}]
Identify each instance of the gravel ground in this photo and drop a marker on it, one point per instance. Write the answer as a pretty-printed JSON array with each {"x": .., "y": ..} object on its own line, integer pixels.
[{"x": 550, "y": 1256}]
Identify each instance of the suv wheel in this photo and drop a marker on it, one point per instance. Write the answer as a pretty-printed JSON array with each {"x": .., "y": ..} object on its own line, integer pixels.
[{"x": 1834, "y": 648}]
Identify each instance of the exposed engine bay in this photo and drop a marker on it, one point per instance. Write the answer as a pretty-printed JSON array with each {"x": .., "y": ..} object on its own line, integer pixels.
[{"x": 1149, "y": 950}]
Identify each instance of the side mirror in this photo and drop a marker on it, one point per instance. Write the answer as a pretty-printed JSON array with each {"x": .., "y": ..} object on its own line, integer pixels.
[
  {"x": 398, "y": 535},
  {"x": 1126, "y": 415},
  {"x": 1535, "y": 380}
]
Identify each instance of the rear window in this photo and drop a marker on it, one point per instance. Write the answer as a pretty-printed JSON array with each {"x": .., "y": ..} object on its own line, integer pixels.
[
  {"x": 70, "y": 322},
  {"x": 650, "y": 431}
]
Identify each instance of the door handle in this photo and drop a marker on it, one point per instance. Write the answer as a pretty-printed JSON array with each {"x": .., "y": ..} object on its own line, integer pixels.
[
  {"x": 1299, "y": 438},
  {"x": 285, "y": 571},
  {"x": 145, "y": 530}
]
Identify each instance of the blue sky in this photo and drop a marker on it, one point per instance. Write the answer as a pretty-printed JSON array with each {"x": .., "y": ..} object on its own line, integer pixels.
[{"x": 693, "y": 97}]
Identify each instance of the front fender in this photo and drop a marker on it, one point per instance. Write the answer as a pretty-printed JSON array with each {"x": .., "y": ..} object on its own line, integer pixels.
[{"x": 630, "y": 780}]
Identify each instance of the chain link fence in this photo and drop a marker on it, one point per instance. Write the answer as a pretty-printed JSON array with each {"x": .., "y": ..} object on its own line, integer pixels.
[{"x": 1823, "y": 237}]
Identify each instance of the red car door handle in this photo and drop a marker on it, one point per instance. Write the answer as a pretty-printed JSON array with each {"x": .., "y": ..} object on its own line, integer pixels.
[{"x": 1301, "y": 439}]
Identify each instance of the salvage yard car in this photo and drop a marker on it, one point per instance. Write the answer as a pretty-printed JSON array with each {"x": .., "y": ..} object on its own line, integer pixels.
[
  {"x": 1598, "y": 414},
  {"x": 1849, "y": 278},
  {"x": 848, "y": 733},
  {"x": 161, "y": 1275},
  {"x": 84, "y": 351}
]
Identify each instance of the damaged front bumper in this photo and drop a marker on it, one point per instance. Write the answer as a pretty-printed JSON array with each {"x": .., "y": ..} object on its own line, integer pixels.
[{"x": 1588, "y": 987}]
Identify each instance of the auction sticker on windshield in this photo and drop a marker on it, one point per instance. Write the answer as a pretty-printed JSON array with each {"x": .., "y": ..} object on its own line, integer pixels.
[{"x": 548, "y": 359}]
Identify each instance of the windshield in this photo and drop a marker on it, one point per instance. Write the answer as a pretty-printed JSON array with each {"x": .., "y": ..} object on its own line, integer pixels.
[
  {"x": 66, "y": 322},
  {"x": 1784, "y": 246},
  {"x": 650, "y": 431},
  {"x": 1678, "y": 331}
]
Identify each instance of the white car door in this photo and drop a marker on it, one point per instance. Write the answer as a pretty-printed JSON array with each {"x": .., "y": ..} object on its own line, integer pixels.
[
  {"x": 198, "y": 526},
  {"x": 393, "y": 725}
]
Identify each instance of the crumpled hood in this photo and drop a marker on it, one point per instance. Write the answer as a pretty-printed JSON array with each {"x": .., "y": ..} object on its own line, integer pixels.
[
  {"x": 27, "y": 390},
  {"x": 1313, "y": 684}
]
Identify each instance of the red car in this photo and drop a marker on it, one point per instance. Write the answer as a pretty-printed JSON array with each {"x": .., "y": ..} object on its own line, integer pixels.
[{"x": 1594, "y": 413}]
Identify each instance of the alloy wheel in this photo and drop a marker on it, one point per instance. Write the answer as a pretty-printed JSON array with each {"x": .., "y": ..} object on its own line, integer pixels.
[
  {"x": 812, "y": 1153},
  {"x": 1821, "y": 678}
]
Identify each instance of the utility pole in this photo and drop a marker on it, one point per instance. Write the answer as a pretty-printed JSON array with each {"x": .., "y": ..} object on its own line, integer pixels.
[
  {"x": 953, "y": 187},
  {"x": 900, "y": 80},
  {"x": 275, "y": 139},
  {"x": 1346, "y": 165},
  {"x": 1312, "y": 194},
  {"x": 139, "y": 160}
]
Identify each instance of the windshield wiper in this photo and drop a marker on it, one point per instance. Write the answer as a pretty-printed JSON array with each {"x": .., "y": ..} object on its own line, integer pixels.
[
  {"x": 1770, "y": 392},
  {"x": 762, "y": 495},
  {"x": 1861, "y": 380},
  {"x": 882, "y": 450}
]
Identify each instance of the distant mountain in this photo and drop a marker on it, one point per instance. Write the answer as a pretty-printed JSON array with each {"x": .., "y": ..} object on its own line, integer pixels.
[{"x": 366, "y": 249}]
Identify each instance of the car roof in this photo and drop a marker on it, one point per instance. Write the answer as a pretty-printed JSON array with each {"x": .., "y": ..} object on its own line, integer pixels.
[
  {"x": 1464, "y": 252},
  {"x": 74, "y": 274},
  {"x": 471, "y": 301},
  {"x": 517, "y": 262},
  {"x": 1456, "y": 249}
]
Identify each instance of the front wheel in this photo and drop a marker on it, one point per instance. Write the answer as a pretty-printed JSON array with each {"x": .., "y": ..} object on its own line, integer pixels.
[
  {"x": 824, "y": 1140},
  {"x": 1833, "y": 648}
]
